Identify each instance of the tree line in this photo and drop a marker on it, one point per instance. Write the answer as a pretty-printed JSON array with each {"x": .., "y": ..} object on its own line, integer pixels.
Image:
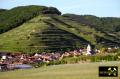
[{"x": 14, "y": 17}]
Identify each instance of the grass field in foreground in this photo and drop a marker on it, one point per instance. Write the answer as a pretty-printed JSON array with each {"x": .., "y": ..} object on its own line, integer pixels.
[{"x": 67, "y": 71}]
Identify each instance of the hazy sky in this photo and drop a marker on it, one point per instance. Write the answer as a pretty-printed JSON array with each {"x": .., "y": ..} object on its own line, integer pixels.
[{"x": 106, "y": 8}]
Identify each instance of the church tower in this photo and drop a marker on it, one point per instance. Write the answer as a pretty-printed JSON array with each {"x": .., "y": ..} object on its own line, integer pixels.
[{"x": 89, "y": 49}]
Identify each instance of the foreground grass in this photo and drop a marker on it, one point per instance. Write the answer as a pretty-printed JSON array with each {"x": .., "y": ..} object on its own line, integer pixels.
[{"x": 68, "y": 71}]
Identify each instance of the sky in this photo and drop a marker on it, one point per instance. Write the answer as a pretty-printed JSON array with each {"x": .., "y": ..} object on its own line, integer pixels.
[{"x": 101, "y": 8}]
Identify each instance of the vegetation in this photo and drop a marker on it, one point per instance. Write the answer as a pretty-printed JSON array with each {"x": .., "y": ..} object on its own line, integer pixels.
[
  {"x": 2, "y": 10},
  {"x": 109, "y": 26},
  {"x": 82, "y": 59},
  {"x": 18, "y": 15},
  {"x": 68, "y": 71},
  {"x": 105, "y": 24},
  {"x": 31, "y": 29}
]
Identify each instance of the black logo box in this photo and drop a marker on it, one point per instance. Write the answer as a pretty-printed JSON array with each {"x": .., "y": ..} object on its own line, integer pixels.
[{"x": 108, "y": 71}]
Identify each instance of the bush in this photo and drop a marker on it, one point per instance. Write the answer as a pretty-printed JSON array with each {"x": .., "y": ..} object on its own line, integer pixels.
[
  {"x": 72, "y": 60},
  {"x": 39, "y": 64}
]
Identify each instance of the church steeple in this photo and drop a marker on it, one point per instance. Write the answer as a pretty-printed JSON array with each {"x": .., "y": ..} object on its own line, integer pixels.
[{"x": 89, "y": 49}]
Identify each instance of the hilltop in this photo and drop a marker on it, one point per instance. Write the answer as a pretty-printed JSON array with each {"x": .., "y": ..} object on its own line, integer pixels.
[{"x": 33, "y": 29}]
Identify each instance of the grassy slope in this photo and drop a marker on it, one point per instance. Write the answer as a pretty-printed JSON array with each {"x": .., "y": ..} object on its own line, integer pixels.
[
  {"x": 68, "y": 71},
  {"x": 45, "y": 33},
  {"x": 29, "y": 37},
  {"x": 18, "y": 37},
  {"x": 80, "y": 30},
  {"x": 90, "y": 34},
  {"x": 104, "y": 25}
]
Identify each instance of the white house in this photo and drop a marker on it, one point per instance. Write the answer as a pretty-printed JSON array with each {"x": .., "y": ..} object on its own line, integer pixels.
[{"x": 4, "y": 57}]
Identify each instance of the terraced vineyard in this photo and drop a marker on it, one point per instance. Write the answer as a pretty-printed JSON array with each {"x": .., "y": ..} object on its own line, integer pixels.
[
  {"x": 40, "y": 35},
  {"x": 46, "y": 30}
]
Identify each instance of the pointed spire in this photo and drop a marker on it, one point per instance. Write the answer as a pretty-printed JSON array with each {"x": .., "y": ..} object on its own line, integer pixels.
[
  {"x": 36, "y": 54},
  {"x": 88, "y": 50}
]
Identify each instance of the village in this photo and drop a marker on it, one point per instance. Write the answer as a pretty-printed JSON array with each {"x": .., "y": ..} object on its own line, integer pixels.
[{"x": 11, "y": 61}]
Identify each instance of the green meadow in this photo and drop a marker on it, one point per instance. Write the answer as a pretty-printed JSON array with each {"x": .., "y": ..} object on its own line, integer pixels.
[{"x": 67, "y": 71}]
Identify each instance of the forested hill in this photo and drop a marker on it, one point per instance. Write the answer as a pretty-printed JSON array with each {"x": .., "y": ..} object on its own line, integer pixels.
[
  {"x": 14, "y": 17},
  {"x": 2, "y": 10},
  {"x": 104, "y": 24},
  {"x": 34, "y": 28}
]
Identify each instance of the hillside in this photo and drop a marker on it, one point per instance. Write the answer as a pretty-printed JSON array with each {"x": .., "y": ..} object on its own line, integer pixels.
[
  {"x": 18, "y": 15},
  {"x": 40, "y": 28},
  {"x": 109, "y": 26},
  {"x": 104, "y": 24},
  {"x": 39, "y": 35},
  {"x": 2, "y": 10}
]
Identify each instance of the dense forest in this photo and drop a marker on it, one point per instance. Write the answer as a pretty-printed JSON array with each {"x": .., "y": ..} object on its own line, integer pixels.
[
  {"x": 14, "y": 17},
  {"x": 2, "y": 10}
]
